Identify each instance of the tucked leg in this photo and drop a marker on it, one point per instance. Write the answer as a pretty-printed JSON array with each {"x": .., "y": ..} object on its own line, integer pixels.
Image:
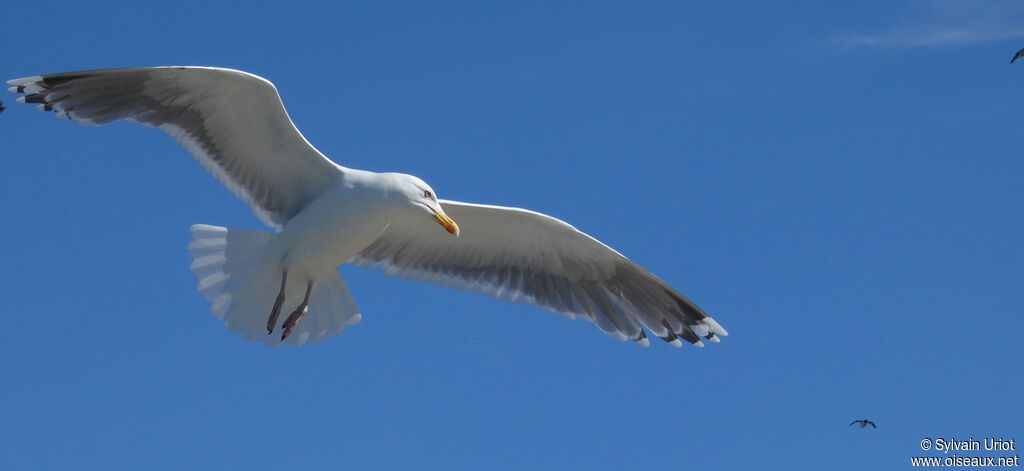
[
  {"x": 296, "y": 315},
  {"x": 276, "y": 311}
]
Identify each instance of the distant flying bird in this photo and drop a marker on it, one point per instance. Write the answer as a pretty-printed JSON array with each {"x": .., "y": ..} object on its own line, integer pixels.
[
  {"x": 2, "y": 107},
  {"x": 864, "y": 423},
  {"x": 1017, "y": 55},
  {"x": 235, "y": 125}
]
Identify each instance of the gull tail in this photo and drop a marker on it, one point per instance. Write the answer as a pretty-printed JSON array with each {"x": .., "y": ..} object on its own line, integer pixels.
[{"x": 241, "y": 278}]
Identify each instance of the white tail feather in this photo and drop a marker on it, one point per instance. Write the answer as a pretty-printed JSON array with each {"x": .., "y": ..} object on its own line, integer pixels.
[{"x": 241, "y": 281}]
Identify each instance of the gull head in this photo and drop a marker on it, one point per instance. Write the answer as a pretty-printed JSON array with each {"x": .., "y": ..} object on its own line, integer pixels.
[{"x": 421, "y": 197}]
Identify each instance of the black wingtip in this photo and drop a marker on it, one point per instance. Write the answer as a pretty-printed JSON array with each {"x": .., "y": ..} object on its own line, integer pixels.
[
  {"x": 34, "y": 98},
  {"x": 669, "y": 338},
  {"x": 1017, "y": 55},
  {"x": 54, "y": 80},
  {"x": 689, "y": 336}
]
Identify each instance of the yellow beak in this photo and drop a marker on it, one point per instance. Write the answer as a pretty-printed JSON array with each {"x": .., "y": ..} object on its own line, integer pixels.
[{"x": 447, "y": 222}]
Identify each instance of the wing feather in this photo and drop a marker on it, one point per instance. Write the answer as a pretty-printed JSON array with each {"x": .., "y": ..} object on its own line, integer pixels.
[
  {"x": 232, "y": 122},
  {"x": 527, "y": 257}
]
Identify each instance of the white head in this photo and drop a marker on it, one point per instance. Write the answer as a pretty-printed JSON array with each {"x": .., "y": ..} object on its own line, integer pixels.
[{"x": 420, "y": 196}]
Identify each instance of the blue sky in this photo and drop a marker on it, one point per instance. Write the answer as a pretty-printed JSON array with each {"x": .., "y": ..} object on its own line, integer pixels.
[{"x": 838, "y": 185}]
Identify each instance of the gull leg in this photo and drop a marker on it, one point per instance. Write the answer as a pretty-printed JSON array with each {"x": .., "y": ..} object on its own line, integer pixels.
[
  {"x": 296, "y": 315},
  {"x": 276, "y": 311}
]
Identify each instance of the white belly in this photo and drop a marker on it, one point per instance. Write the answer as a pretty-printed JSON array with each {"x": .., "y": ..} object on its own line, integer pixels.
[{"x": 330, "y": 231}]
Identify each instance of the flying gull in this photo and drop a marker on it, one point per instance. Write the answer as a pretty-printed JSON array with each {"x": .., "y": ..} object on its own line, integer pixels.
[
  {"x": 864, "y": 423},
  {"x": 235, "y": 125}
]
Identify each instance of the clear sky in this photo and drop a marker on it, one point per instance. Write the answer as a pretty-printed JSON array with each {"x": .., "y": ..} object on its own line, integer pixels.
[{"x": 839, "y": 186}]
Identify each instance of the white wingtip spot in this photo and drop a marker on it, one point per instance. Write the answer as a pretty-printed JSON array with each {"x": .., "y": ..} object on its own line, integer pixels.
[
  {"x": 676, "y": 343},
  {"x": 196, "y": 228},
  {"x": 21, "y": 99},
  {"x": 644, "y": 341},
  {"x": 25, "y": 80},
  {"x": 699, "y": 344},
  {"x": 708, "y": 321},
  {"x": 714, "y": 339}
]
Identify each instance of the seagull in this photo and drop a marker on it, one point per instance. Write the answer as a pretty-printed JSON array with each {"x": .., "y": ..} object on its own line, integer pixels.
[
  {"x": 864, "y": 423},
  {"x": 1017, "y": 55},
  {"x": 236, "y": 126}
]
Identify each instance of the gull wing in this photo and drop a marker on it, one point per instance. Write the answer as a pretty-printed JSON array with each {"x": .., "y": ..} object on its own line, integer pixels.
[
  {"x": 232, "y": 122},
  {"x": 527, "y": 257}
]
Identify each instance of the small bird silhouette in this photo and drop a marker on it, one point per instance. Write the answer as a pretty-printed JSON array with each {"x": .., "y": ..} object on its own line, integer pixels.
[
  {"x": 2, "y": 107},
  {"x": 1017, "y": 55},
  {"x": 864, "y": 423}
]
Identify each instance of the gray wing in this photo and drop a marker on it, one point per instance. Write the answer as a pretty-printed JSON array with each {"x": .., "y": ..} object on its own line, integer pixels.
[
  {"x": 527, "y": 257},
  {"x": 232, "y": 122}
]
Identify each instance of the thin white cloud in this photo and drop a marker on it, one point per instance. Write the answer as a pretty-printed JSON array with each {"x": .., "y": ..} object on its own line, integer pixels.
[
  {"x": 910, "y": 38},
  {"x": 947, "y": 24}
]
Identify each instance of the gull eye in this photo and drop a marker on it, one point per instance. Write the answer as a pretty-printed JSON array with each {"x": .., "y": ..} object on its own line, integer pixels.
[{"x": 427, "y": 194}]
